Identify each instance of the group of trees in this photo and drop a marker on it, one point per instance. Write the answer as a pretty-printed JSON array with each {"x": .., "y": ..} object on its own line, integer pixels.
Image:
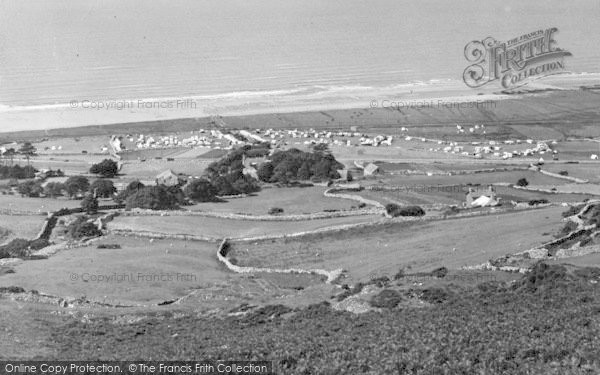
[
  {"x": 294, "y": 165},
  {"x": 226, "y": 175},
  {"x": 157, "y": 197},
  {"x": 17, "y": 172},
  {"x": 27, "y": 150},
  {"x": 74, "y": 186}
]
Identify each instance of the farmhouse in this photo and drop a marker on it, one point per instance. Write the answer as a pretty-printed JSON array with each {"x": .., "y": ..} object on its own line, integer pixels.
[
  {"x": 370, "y": 169},
  {"x": 486, "y": 200},
  {"x": 167, "y": 178}
]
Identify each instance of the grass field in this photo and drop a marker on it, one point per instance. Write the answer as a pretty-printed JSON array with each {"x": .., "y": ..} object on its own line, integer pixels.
[
  {"x": 152, "y": 167},
  {"x": 534, "y": 178},
  {"x": 292, "y": 200},
  {"x": 587, "y": 171},
  {"x": 221, "y": 228},
  {"x": 36, "y": 205},
  {"x": 20, "y": 226},
  {"x": 132, "y": 268},
  {"x": 420, "y": 246}
]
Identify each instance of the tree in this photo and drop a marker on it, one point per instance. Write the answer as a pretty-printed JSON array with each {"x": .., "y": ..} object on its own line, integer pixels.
[
  {"x": 304, "y": 172},
  {"x": 321, "y": 148},
  {"x": 103, "y": 188},
  {"x": 90, "y": 203},
  {"x": 133, "y": 187},
  {"x": 30, "y": 188},
  {"x": 265, "y": 171},
  {"x": 223, "y": 186},
  {"x": 106, "y": 168},
  {"x": 28, "y": 150},
  {"x": 53, "y": 189},
  {"x": 10, "y": 153},
  {"x": 152, "y": 197},
  {"x": 201, "y": 191},
  {"x": 522, "y": 182},
  {"x": 76, "y": 185}
]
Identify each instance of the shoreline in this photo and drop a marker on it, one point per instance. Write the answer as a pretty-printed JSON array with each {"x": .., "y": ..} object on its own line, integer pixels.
[{"x": 400, "y": 97}]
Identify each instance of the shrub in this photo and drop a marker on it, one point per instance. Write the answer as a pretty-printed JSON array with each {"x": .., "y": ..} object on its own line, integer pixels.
[
  {"x": 567, "y": 228},
  {"x": 435, "y": 295},
  {"x": 275, "y": 211},
  {"x": 386, "y": 299},
  {"x": 395, "y": 210},
  {"x": 543, "y": 275},
  {"x": 108, "y": 246},
  {"x": 17, "y": 248},
  {"x": 452, "y": 210},
  {"x": 103, "y": 188},
  {"x": 573, "y": 210},
  {"x": 563, "y": 173},
  {"x": 11, "y": 289},
  {"x": 106, "y": 168},
  {"x": 535, "y": 202},
  {"x": 522, "y": 182},
  {"x": 81, "y": 228}
]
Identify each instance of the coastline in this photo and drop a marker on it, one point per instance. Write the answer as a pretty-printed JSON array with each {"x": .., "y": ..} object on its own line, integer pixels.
[{"x": 440, "y": 102}]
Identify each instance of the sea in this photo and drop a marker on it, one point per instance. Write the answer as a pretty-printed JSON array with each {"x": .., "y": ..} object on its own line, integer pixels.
[{"x": 66, "y": 63}]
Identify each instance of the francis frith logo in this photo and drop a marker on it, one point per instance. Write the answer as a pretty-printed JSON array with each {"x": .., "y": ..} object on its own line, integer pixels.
[{"x": 515, "y": 62}]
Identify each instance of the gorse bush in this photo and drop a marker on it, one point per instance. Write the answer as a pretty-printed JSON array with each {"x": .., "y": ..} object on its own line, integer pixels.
[{"x": 386, "y": 299}]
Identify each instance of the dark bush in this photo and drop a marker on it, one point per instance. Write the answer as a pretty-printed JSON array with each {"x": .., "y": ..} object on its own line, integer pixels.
[
  {"x": 395, "y": 210},
  {"x": 522, "y": 182},
  {"x": 108, "y": 246},
  {"x": 11, "y": 289},
  {"x": 569, "y": 227},
  {"x": 275, "y": 211},
  {"x": 434, "y": 295},
  {"x": 572, "y": 210},
  {"x": 17, "y": 248},
  {"x": 563, "y": 173},
  {"x": 535, "y": 202},
  {"x": 543, "y": 275},
  {"x": 386, "y": 299},
  {"x": 82, "y": 228}
]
